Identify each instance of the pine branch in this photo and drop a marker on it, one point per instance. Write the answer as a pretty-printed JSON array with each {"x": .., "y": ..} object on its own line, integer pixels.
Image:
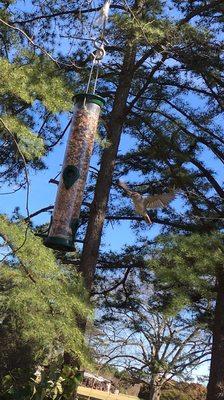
[
  {"x": 201, "y": 9},
  {"x": 209, "y": 177},
  {"x": 42, "y": 49},
  {"x": 121, "y": 282},
  {"x": 42, "y": 210}
]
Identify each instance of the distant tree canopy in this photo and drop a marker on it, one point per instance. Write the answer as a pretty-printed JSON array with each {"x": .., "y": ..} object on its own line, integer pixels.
[
  {"x": 180, "y": 391},
  {"x": 155, "y": 343}
]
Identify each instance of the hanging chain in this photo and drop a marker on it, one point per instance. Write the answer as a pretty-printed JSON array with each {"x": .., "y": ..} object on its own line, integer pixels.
[
  {"x": 99, "y": 44},
  {"x": 97, "y": 56}
]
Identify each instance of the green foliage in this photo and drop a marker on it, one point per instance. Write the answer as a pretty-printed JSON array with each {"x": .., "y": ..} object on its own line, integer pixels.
[
  {"x": 185, "y": 268},
  {"x": 52, "y": 382},
  {"x": 55, "y": 383},
  {"x": 41, "y": 302},
  {"x": 140, "y": 31},
  {"x": 178, "y": 391},
  {"x": 30, "y": 145},
  {"x": 33, "y": 91},
  {"x": 184, "y": 391},
  {"x": 174, "y": 394},
  {"x": 31, "y": 78},
  {"x": 25, "y": 80}
]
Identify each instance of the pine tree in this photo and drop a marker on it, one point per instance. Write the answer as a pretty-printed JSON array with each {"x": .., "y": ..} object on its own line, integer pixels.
[
  {"x": 41, "y": 304},
  {"x": 190, "y": 269},
  {"x": 29, "y": 124}
]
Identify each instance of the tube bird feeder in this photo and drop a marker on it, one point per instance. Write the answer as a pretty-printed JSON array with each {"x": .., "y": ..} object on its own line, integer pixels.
[{"x": 65, "y": 218}]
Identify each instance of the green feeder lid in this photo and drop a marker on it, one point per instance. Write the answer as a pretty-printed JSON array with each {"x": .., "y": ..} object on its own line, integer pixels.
[
  {"x": 58, "y": 243},
  {"x": 90, "y": 98}
]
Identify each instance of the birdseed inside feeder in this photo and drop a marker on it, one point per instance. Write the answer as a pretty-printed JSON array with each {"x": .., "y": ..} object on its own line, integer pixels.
[{"x": 79, "y": 149}]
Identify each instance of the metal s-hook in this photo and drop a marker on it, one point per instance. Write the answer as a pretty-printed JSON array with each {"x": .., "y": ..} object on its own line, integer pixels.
[
  {"x": 97, "y": 55},
  {"x": 100, "y": 51}
]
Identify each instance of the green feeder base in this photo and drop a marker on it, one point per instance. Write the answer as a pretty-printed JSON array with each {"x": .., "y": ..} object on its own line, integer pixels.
[
  {"x": 58, "y": 243},
  {"x": 90, "y": 98}
]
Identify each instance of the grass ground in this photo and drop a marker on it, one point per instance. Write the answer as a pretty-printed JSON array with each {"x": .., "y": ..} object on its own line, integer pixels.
[{"x": 99, "y": 394}]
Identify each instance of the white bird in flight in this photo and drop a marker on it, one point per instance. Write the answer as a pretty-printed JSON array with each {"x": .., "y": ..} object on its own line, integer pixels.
[{"x": 142, "y": 203}]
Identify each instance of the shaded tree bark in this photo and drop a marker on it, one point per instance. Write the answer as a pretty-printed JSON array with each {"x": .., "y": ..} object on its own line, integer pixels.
[
  {"x": 216, "y": 378},
  {"x": 98, "y": 208},
  {"x": 155, "y": 390},
  {"x": 155, "y": 394}
]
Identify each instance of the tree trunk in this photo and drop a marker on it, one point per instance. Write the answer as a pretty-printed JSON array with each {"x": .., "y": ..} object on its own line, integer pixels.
[
  {"x": 104, "y": 181},
  {"x": 155, "y": 391},
  {"x": 216, "y": 378},
  {"x": 155, "y": 395}
]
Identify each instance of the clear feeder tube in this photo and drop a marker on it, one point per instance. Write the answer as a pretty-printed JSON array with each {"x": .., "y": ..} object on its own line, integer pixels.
[{"x": 79, "y": 149}]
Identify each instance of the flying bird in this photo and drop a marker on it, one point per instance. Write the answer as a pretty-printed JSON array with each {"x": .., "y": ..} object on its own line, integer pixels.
[{"x": 142, "y": 203}]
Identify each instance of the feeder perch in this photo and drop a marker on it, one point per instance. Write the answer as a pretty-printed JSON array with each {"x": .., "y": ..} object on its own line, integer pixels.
[{"x": 65, "y": 218}]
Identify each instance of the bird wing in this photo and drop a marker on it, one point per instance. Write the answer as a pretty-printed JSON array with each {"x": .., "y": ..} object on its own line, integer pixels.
[{"x": 159, "y": 200}]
